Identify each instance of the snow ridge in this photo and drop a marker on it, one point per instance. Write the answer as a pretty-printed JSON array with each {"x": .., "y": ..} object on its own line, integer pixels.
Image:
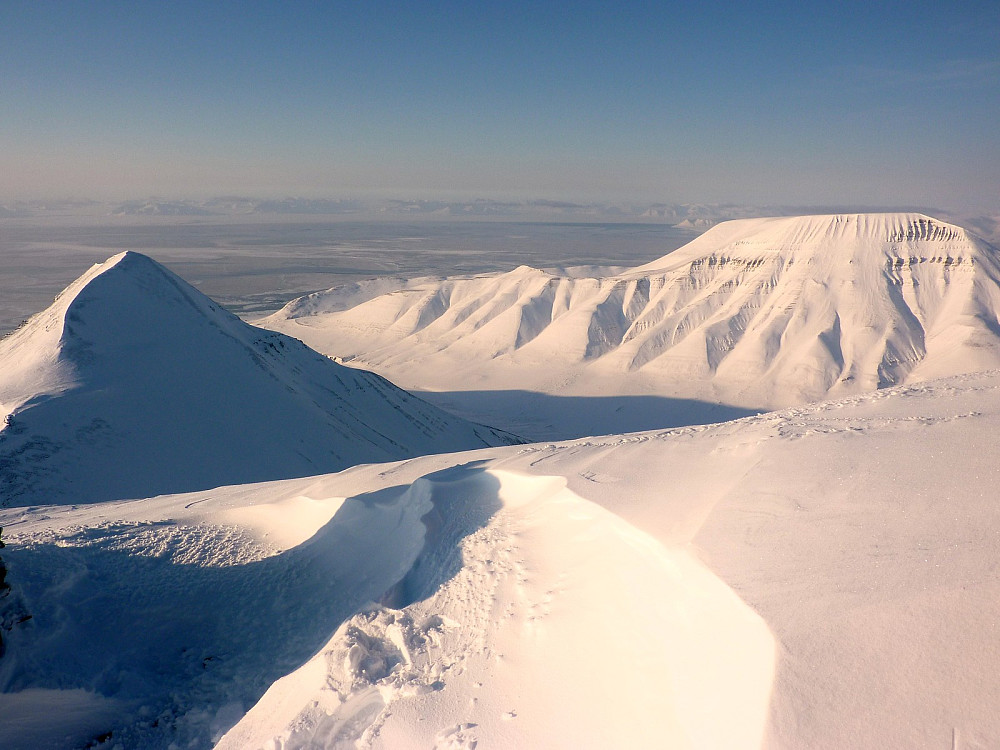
[{"x": 757, "y": 312}]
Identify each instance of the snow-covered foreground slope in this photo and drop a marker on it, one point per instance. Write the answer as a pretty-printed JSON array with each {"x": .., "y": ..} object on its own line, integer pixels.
[
  {"x": 758, "y": 313},
  {"x": 133, "y": 384},
  {"x": 821, "y": 577}
]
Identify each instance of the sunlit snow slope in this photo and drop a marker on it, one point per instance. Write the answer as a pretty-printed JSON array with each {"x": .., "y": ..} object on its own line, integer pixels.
[
  {"x": 822, "y": 577},
  {"x": 757, "y": 313},
  {"x": 133, "y": 384}
]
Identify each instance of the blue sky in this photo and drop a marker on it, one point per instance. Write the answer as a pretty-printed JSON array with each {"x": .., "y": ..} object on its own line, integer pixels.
[{"x": 879, "y": 103}]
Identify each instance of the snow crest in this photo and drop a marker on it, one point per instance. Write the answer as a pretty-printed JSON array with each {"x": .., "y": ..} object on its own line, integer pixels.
[{"x": 511, "y": 561}]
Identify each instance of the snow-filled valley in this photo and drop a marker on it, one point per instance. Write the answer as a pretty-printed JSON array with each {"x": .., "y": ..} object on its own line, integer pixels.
[{"x": 183, "y": 570}]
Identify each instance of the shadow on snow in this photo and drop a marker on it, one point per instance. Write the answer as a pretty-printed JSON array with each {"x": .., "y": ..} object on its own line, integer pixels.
[
  {"x": 542, "y": 417},
  {"x": 176, "y": 643}
]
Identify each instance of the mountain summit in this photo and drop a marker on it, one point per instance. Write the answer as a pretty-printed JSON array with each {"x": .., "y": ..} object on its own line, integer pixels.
[
  {"x": 758, "y": 313},
  {"x": 133, "y": 384}
]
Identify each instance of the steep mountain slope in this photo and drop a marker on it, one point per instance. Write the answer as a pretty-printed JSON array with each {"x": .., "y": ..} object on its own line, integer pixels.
[
  {"x": 757, "y": 313},
  {"x": 133, "y": 383},
  {"x": 822, "y": 577}
]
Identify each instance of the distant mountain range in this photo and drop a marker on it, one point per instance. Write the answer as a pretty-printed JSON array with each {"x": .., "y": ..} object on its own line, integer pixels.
[{"x": 694, "y": 216}]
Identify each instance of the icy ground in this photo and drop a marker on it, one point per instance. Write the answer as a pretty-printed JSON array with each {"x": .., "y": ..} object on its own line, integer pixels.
[{"x": 820, "y": 577}]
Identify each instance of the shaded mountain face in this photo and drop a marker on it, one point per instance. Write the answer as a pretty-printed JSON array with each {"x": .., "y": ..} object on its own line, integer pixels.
[
  {"x": 758, "y": 313},
  {"x": 134, "y": 384}
]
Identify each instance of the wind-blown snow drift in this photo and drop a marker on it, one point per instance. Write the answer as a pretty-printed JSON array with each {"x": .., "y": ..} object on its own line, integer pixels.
[
  {"x": 758, "y": 313},
  {"x": 822, "y": 577},
  {"x": 133, "y": 384}
]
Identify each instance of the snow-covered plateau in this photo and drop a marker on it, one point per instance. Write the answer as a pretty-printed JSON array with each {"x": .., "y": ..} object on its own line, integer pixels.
[{"x": 820, "y": 576}]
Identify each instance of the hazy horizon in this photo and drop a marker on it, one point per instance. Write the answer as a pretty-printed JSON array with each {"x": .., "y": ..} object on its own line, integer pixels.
[{"x": 436, "y": 206}]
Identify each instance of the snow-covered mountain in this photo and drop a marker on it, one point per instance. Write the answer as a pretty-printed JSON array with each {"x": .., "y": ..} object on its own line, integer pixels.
[
  {"x": 156, "y": 207},
  {"x": 133, "y": 384},
  {"x": 758, "y": 313}
]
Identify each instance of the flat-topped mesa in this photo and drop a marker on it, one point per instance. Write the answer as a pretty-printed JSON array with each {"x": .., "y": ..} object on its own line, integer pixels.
[
  {"x": 847, "y": 237},
  {"x": 133, "y": 384}
]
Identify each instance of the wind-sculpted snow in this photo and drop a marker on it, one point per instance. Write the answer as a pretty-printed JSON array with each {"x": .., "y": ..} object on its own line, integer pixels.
[
  {"x": 177, "y": 631},
  {"x": 134, "y": 384},
  {"x": 433, "y": 598},
  {"x": 757, "y": 313},
  {"x": 510, "y": 613},
  {"x": 818, "y": 577}
]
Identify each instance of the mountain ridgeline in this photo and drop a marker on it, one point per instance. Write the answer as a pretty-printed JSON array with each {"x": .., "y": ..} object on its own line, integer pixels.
[{"x": 757, "y": 312}]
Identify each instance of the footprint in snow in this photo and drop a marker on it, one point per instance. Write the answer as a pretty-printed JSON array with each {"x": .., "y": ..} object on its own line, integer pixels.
[{"x": 457, "y": 737}]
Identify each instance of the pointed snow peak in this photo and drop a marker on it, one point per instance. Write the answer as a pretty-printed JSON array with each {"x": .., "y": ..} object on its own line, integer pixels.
[
  {"x": 128, "y": 299},
  {"x": 111, "y": 306},
  {"x": 132, "y": 264},
  {"x": 134, "y": 369},
  {"x": 125, "y": 265},
  {"x": 132, "y": 298},
  {"x": 850, "y": 236}
]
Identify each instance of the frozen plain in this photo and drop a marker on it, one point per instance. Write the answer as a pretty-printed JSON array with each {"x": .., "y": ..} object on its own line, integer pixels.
[
  {"x": 821, "y": 576},
  {"x": 250, "y": 264}
]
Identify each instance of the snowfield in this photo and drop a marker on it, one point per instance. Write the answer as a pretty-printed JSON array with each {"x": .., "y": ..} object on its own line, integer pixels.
[
  {"x": 819, "y": 577},
  {"x": 822, "y": 576}
]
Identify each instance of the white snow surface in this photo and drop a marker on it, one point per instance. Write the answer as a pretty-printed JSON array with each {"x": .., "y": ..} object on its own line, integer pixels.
[
  {"x": 133, "y": 384},
  {"x": 755, "y": 313},
  {"x": 819, "y": 577}
]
